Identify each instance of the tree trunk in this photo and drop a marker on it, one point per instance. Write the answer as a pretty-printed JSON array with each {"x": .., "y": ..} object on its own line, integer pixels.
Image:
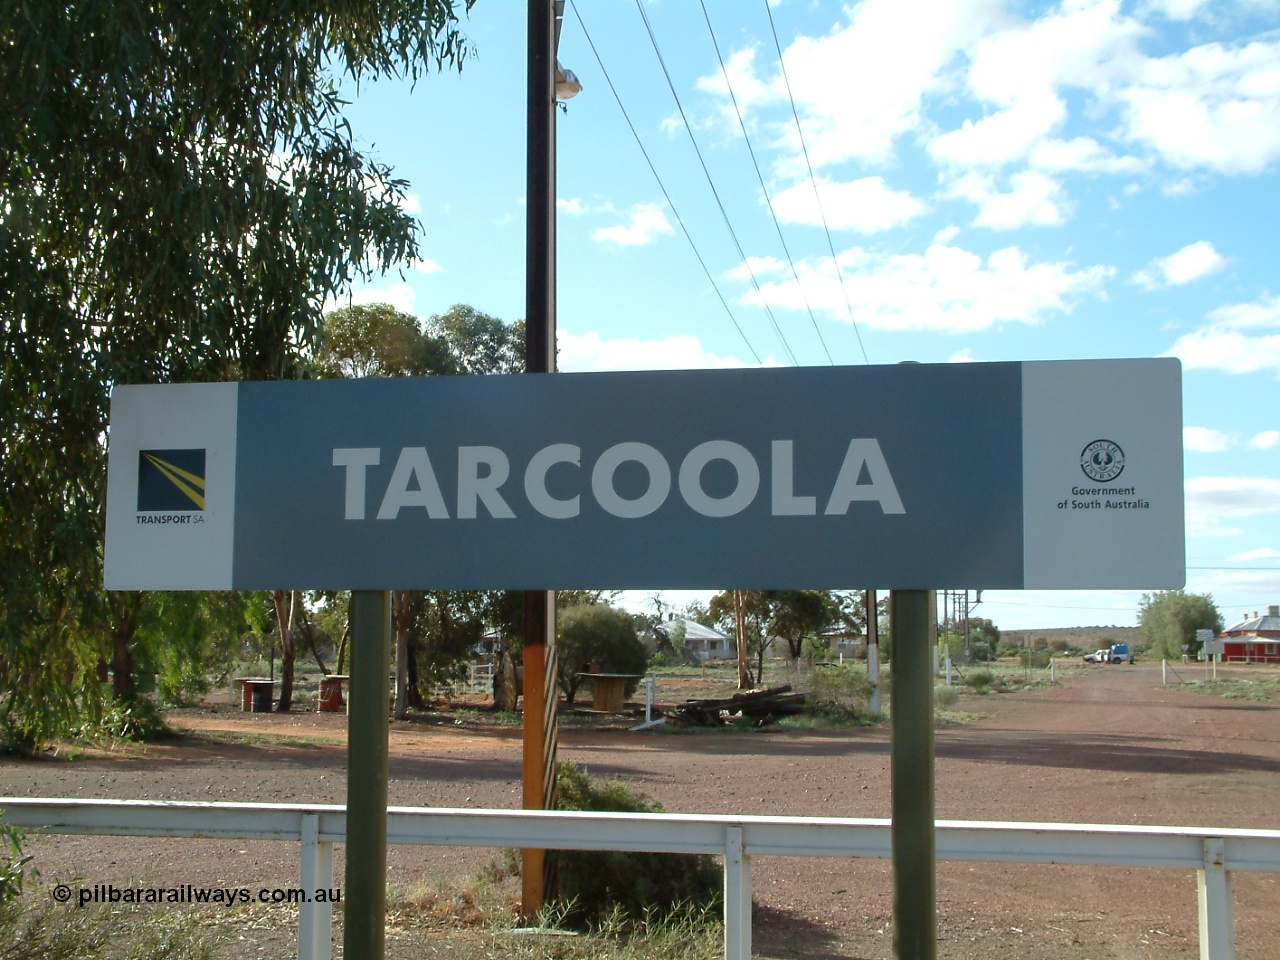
[
  {"x": 342, "y": 648},
  {"x": 286, "y": 604},
  {"x": 740, "y": 633},
  {"x": 506, "y": 689},
  {"x": 400, "y": 602},
  {"x": 309, "y": 634},
  {"x": 123, "y": 661},
  {"x": 415, "y": 691}
]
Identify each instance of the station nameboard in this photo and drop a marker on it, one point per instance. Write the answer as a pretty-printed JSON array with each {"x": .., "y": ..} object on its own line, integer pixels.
[{"x": 915, "y": 476}]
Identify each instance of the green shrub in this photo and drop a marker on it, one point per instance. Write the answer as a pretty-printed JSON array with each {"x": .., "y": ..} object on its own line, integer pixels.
[
  {"x": 34, "y": 925},
  {"x": 841, "y": 694},
  {"x": 138, "y": 719},
  {"x": 589, "y": 887},
  {"x": 980, "y": 680},
  {"x": 944, "y": 696},
  {"x": 12, "y": 869},
  {"x": 602, "y": 637}
]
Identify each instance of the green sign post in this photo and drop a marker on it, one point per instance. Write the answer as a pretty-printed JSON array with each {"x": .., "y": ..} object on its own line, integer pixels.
[
  {"x": 364, "y": 919},
  {"x": 915, "y": 934}
]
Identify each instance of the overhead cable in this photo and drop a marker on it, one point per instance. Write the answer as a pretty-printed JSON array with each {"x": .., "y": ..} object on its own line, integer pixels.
[
  {"x": 711, "y": 183},
  {"x": 814, "y": 181},
  {"x": 760, "y": 176},
  {"x": 661, "y": 186}
]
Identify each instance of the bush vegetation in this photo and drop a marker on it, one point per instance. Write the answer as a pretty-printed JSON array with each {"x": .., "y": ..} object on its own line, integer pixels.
[
  {"x": 842, "y": 694},
  {"x": 592, "y": 888}
]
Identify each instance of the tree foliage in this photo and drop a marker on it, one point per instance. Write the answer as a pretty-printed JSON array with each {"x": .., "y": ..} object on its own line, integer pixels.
[
  {"x": 1169, "y": 621},
  {"x": 179, "y": 195},
  {"x": 478, "y": 342},
  {"x": 602, "y": 637},
  {"x": 377, "y": 340}
]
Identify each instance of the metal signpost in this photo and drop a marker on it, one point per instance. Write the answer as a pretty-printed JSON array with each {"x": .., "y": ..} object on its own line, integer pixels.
[{"x": 1005, "y": 475}]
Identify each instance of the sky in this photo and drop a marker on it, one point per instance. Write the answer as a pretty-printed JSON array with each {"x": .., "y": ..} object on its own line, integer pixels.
[{"x": 997, "y": 180}]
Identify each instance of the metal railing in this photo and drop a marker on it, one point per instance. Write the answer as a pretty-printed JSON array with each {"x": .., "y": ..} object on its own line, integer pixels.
[{"x": 1213, "y": 853}]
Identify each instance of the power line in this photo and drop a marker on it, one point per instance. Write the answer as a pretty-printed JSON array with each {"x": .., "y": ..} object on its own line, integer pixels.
[
  {"x": 715, "y": 193},
  {"x": 814, "y": 181},
  {"x": 759, "y": 176},
  {"x": 661, "y": 186}
]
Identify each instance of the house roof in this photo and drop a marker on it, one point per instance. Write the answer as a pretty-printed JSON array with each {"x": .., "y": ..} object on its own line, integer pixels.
[
  {"x": 692, "y": 630},
  {"x": 1268, "y": 623}
]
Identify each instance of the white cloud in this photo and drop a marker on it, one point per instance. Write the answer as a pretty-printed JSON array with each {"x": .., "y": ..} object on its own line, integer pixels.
[
  {"x": 1033, "y": 199},
  {"x": 1002, "y": 137},
  {"x": 647, "y": 221},
  {"x": 1178, "y": 9},
  {"x": 1019, "y": 72},
  {"x": 1211, "y": 106},
  {"x": 945, "y": 289},
  {"x": 399, "y": 295},
  {"x": 1205, "y": 440},
  {"x": 962, "y": 356},
  {"x": 1182, "y": 187},
  {"x": 592, "y": 352},
  {"x": 571, "y": 206},
  {"x": 1240, "y": 338},
  {"x": 1212, "y": 501},
  {"x": 427, "y": 265},
  {"x": 866, "y": 205},
  {"x": 1193, "y": 262},
  {"x": 1261, "y": 553},
  {"x": 411, "y": 203},
  {"x": 888, "y": 48},
  {"x": 1266, "y": 440},
  {"x": 946, "y": 234},
  {"x": 1083, "y": 154}
]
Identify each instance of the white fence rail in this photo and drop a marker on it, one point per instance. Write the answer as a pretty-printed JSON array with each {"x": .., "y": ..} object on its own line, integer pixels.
[{"x": 1213, "y": 853}]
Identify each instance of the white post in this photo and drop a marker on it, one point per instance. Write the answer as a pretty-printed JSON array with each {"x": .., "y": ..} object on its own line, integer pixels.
[
  {"x": 1217, "y": 919},
  {"x": 650, "y": 685},
  {"x": 948, "y": 666},
  {"x": 315, "y": 920},
  {"x": 737, "y": 897}
]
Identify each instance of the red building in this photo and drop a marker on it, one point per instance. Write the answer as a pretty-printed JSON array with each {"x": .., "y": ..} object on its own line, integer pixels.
[{"x": 1253, "y": 640}]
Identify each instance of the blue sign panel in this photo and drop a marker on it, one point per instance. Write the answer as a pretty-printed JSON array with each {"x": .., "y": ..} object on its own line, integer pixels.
[{"x": 910, "y": 476}]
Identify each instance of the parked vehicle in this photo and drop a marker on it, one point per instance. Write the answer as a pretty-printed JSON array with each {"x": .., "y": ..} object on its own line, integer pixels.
[
  {"x": 1116, "y": 653},
  {"x": 1120, "y": 653}
]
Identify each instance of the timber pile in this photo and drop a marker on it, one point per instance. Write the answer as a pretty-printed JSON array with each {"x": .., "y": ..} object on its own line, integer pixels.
[{"x": 762, "y": 706}]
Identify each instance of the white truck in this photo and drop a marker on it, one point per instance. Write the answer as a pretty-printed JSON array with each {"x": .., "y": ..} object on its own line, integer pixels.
[{"x": 1116, "y": 653}]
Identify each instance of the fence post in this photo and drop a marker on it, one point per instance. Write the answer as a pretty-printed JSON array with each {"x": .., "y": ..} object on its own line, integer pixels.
[
  {"x": 315, "y": 920},
  {"x": 737, "y": 897},
  {"x": 1217, "y": 915}
]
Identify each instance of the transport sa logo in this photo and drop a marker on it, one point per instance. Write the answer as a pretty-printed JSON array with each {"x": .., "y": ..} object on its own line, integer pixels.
[{"x": 171, "y": 481}]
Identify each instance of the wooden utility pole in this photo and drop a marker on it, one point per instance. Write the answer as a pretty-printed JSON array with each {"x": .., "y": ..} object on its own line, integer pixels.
[{"x": 540, "y": 357}]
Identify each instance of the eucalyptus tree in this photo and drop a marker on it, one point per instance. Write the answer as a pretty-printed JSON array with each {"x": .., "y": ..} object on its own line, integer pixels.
[
  {"x": 179, "y": 196},
  {"x": 1169, "y": 620}
]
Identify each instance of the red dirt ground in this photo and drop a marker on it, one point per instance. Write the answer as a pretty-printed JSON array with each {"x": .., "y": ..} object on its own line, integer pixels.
[{"x": 1110, "y": 745}]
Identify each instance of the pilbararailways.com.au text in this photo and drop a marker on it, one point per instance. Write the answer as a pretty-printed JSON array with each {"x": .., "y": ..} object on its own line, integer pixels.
[{"x": 108, "y": 893}]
